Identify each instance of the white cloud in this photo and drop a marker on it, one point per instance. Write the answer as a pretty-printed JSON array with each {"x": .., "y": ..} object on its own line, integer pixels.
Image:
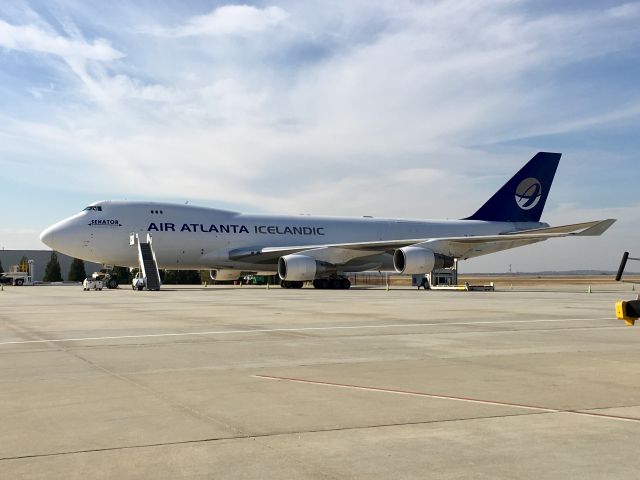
[
  {"x": 83, "y": 58},
  {"x": 626, "y": 10},
  {"x": 228, "y": 20},
  {"x": 440, "y": 76},
  {"x": 33, "y": 39}
]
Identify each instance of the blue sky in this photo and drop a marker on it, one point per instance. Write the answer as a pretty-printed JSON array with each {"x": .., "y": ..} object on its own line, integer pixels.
[{"x": 402, "y": 109}]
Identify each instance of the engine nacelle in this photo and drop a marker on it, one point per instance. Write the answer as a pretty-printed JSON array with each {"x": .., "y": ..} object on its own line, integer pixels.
[
  {"x": 224, "y": 275},
  {"x": 299, "y": 268},
  {"x": 415, "y": 260}
]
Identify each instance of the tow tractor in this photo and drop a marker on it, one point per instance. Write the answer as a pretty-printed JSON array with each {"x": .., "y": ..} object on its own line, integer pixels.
[
  {"x": 91, "y": 283},
  {"x": 19, "y": 275},
  {"x": 100, "y": 280},
  {"x": 108, "y": 280},
  {"x": 138, "y": 282}
]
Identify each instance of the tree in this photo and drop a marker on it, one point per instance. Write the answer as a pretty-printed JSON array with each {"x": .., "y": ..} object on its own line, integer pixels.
[
  {"x": 77, "y": 272},
  {"x": 122, "y": 274},
  {"x": 52, "y": 270},
  {"x": 181, "y": 277}
]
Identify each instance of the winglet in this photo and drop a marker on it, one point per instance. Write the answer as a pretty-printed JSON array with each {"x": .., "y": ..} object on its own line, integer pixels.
[{"x": 598, "y": 229}]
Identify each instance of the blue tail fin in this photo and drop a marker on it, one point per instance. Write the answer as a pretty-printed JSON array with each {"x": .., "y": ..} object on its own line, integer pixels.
[{"x": 522, "y": 198}]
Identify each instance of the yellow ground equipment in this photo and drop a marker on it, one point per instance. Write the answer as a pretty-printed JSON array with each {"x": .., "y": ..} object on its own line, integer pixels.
[{"x": 629, "y": 311}]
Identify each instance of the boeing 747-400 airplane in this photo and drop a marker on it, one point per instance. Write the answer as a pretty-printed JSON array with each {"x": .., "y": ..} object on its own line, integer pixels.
[{"x": 309, "y": 248}]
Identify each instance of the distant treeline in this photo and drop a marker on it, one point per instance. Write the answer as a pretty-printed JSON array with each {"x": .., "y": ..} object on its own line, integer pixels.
[{"x": 552, "y": 273}]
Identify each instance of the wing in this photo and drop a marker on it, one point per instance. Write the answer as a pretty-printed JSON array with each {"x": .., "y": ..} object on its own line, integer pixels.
[
  {"x": 458, "y": 247},
  {"x": 469, "y": 247}
]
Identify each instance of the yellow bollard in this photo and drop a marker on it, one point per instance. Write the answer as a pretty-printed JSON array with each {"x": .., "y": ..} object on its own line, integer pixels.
[
  {"x": 1, "y": 287},
  {"x": 387, "y": 287},
  {"x": 589, "y": 289},
  {"x": 267, "y": 285}
]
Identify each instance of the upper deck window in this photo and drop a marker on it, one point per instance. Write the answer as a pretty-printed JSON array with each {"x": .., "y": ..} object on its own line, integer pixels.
[{"x": 97, "y": 208}]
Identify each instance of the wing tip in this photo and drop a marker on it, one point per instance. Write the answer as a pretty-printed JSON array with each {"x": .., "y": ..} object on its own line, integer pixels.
[{"x": 598, "y": 229}]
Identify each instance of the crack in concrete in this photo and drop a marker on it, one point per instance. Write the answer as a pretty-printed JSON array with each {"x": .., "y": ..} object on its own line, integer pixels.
[{"x": 268, "y": 435}]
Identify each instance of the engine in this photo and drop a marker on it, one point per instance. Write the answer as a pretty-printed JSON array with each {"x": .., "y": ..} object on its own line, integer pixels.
[
  {"x": 414, "y": 260},
  {"x": 224, "y": 275},
  {"x": 302, "y": 268}
]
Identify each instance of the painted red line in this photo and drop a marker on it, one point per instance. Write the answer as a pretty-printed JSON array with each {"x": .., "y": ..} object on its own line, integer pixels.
[
  {"x": 450, "y": 397},
  {"x": 603, "y": 415}
]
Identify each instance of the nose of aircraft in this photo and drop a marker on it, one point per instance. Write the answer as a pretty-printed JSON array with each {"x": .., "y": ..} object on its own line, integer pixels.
[
  {"x": 48, "y": 236},
  {"x": 61, "y": 236}
]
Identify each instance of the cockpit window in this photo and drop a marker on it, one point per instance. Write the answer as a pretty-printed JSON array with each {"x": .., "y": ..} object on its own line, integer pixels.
[{"x": 97, "y": 208}]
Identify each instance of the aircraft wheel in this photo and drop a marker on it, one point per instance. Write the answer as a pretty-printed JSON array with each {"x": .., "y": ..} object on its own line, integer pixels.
[
  {"x": 345, "y": 284},
  {"x": 298, "y": 284},
  {"x": 112, "y": 283},
  {"x": 334, "y": 283}
]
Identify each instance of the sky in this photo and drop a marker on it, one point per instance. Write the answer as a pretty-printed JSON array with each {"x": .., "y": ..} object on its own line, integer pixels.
[{"x": 393, "y": 109}]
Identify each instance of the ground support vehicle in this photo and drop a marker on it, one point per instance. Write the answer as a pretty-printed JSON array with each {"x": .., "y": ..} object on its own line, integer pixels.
[
  {"x": 91, "y": 283},
  {"x": 138, "y": 282}
]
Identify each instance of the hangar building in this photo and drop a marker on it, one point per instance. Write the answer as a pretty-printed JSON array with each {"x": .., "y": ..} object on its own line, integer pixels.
[{"x": 41, "y": 258}]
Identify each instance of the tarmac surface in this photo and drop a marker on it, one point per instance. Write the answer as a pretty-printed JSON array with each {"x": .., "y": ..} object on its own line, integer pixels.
[{"x": 230, "y": 382}]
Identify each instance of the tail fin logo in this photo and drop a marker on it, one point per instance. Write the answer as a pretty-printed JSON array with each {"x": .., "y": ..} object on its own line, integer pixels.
[{"x": 528, "y": 193}]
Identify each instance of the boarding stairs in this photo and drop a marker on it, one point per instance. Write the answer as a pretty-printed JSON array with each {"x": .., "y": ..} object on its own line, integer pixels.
[{"x": 147, "y": 261}]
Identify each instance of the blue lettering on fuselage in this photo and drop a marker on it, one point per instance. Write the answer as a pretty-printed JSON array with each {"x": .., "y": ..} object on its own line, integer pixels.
[
  {"x": 287, "y": 230},
  {"x": 230, "y": 228},
  {"x": 109, "y": 222}
]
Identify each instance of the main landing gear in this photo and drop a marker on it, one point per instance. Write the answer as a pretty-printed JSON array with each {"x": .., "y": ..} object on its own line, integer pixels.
[
  {"x": 334, "y": 283},
  {"x": 291, "y": 284}
]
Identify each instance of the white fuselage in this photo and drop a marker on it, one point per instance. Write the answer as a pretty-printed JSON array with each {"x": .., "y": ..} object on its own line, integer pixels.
[{"x": 190, "y": 237}]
